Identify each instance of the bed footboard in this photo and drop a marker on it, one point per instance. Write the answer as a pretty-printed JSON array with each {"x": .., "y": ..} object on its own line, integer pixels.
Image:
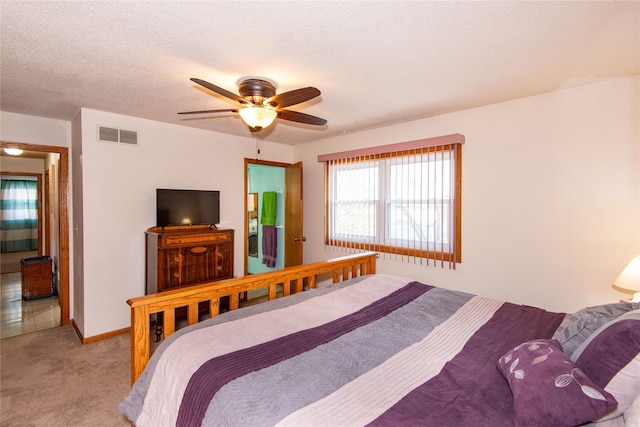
[{"x": 145, "y": 307}]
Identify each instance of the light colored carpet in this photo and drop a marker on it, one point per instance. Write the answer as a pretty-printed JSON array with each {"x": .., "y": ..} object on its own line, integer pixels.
[{"x": 49, "y": 378}]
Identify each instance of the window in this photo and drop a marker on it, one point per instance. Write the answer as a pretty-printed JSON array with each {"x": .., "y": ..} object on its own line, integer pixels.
[{"x": 397, "y": 200}]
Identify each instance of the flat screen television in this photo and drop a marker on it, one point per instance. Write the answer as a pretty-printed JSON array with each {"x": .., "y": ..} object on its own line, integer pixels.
[{"x": 187, "y": 207}]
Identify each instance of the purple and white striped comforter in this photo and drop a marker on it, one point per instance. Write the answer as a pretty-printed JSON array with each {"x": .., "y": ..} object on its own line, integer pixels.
[{"x": 379, "y": 350}]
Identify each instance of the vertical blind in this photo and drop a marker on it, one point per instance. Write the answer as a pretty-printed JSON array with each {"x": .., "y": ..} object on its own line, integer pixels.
[
  {"x": 19, "y": 215},
  {"x": 402, "y": 200}
]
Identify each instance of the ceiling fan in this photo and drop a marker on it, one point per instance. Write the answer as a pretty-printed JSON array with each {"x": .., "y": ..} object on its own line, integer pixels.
[{"x": 261, "y": 105}]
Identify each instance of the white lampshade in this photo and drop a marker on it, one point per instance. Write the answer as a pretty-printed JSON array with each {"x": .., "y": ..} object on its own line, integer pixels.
[
  {"x": 13, "y": 151},
  {"x": 630, "y": 278},
  {"x": 258, "y": 117}
]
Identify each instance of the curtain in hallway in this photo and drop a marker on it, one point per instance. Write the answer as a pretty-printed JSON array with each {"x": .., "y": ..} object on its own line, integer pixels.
[{"x": 18, "y": 215}]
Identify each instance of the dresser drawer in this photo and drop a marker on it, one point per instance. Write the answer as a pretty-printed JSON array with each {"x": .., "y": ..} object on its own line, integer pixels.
[
  {"x": 202, "y": 257},
  {"x": 195, "y": 239}
]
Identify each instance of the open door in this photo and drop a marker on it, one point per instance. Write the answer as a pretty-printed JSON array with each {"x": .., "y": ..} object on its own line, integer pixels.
[{"x": 293, "y": 237}]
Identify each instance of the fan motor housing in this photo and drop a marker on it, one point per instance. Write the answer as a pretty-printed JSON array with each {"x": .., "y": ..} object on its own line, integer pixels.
[{"x": 256, "y": 89}]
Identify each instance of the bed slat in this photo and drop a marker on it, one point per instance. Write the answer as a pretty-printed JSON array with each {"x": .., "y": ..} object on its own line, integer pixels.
[
  {"x": 169, "y": 325},
  {"x": 193, "y": 313}
]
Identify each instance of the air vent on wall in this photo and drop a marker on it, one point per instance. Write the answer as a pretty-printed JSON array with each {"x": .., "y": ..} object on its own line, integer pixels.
[{"x": 117, "y": 135}]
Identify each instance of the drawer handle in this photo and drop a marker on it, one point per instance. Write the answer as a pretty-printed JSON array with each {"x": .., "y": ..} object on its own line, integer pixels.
[
  {"x": 176, "y": 275},
  {"x": 219, "y": 254},
  {"x": 176, "y": 260},
  {"x": 219, "y": 268}
]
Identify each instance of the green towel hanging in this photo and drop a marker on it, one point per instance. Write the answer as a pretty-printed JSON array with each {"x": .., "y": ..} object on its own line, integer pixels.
[{"x": 269, "y": 208}]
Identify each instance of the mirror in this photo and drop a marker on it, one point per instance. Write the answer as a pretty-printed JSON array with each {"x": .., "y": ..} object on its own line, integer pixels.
[{"x": 252, "y": 231}]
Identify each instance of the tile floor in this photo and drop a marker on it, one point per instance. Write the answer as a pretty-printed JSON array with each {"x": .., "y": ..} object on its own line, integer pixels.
[{"x": 19, "y": 316}]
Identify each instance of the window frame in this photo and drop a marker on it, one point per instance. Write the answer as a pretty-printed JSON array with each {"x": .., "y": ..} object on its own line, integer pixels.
[{"x": 453, "y": 254}]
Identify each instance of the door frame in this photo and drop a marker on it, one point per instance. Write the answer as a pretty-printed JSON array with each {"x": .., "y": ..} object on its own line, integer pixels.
[
  {"x": 63, "y": 215},
  {"x": 247, "y": 162}
]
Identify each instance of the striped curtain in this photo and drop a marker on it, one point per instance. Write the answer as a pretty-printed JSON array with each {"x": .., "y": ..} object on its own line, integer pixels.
[{"x": 18, "y": 215}]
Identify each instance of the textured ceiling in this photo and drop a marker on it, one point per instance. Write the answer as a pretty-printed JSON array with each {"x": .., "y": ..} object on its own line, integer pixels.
[{"x": 376, "y": 63}]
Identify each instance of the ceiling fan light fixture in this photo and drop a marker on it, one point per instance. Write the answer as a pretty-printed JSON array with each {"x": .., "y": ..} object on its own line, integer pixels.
[
  {"x": 13, "y": 151},
  {"x": 258, "y": 117},
  {"x": 261, "y": 105}
]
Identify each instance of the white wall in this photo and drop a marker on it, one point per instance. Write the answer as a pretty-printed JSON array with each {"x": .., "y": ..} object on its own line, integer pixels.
[
  {"x": 551, "y": 195},
  {"x": 76, "y": 236},
  {"x": 34, "y": 130},
  {"x": 119, "y": 185},
  {"x": 21, "y": 164}
]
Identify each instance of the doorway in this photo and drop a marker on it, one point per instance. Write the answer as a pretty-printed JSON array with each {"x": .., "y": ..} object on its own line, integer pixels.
[
  {"x": 22, "y": 239},
  {"x": 58, "y": 237},
  {"x": 285, "y": 180}
]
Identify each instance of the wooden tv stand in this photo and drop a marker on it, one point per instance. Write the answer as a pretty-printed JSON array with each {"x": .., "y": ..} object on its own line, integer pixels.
[{"x": 179, "y": 256}]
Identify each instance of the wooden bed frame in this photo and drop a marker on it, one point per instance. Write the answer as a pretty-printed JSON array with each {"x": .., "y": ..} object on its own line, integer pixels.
[{"x": 292, "y": 279}]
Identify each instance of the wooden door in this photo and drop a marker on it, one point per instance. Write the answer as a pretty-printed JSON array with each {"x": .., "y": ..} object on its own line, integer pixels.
[
  {"x": 293, "y": 235},
  {"x": 48, "y": 204}
]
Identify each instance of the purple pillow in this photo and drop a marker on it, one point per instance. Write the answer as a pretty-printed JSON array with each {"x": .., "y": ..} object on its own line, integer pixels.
[
  {"x": 611, "y": 358},
  {"x": 548, "y": 389},
  {"x": 576, "y": 328}
]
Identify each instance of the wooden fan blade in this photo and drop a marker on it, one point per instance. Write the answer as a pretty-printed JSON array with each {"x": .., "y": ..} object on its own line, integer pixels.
[
  {"x": 229, "y": 110},
  {"x": 219, "y": 90},
  {"x": 295, "y": 116},
  {"x": 292, "y": 97}
]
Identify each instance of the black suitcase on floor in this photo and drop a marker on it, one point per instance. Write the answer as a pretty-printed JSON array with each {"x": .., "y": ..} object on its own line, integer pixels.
[{"x": 37, "y": 277}]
